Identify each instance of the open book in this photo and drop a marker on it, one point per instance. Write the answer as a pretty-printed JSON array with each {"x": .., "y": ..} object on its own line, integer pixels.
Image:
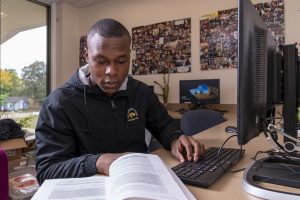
[{"x": 132, "y": 176}]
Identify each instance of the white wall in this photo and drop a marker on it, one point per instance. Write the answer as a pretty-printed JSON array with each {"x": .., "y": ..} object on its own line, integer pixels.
[
  {"x": 65, "y": 42},
  {"x": 134, "y": 13},
  {"x": 292, "y": 21}
]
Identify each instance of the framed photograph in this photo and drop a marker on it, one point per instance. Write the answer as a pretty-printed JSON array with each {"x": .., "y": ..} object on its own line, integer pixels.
[
  {"x": 162, "y": 47},
  {"x": 82, "y": 51},
  {"x": 218, "y": 34}
]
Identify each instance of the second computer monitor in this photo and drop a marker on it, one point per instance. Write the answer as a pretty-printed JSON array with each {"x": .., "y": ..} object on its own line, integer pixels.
[{"x": 200, "y": 92}]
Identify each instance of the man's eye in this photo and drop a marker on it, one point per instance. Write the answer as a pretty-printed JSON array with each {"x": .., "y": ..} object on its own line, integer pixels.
[
  {"x": 122, "y": 61},
  {"x": 101, "y": 62}
]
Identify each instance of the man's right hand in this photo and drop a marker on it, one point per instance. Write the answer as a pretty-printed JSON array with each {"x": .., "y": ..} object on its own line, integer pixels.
[{"x": 104, "y": 161}]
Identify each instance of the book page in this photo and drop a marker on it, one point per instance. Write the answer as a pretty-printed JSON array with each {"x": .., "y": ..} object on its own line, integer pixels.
[
  {"x": 143, "y": 176},
  {"x": 184, "y": 189},
  {"x": 89, "y": 188}
]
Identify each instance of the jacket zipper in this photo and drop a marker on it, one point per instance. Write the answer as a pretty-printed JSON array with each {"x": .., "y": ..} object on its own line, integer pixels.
[
  {"x": 113, "y": 105},
  {"x": 114, "y": 109}
]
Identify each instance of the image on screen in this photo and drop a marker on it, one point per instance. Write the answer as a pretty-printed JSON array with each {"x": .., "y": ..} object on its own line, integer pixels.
[{"x": 200, "y": 91}]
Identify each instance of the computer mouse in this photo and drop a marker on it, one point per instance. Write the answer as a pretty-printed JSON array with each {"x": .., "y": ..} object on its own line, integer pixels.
[{"x": 231, "y": 129}]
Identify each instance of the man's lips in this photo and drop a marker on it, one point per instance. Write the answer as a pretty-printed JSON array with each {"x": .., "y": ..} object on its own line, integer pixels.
[{"x": 110, "y": 84}]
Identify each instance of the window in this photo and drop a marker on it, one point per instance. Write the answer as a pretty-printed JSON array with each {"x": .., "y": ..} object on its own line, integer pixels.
[{"x": 24, "y": 65}]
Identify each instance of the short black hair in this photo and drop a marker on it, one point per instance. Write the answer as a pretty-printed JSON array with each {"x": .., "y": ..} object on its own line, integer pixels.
[{"x": 108, "y": 28}]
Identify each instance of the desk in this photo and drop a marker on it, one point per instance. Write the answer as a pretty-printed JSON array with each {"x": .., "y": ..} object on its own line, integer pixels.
[
  {"x": 176, "y": 115},
  {"x": 229, "y": 185}
]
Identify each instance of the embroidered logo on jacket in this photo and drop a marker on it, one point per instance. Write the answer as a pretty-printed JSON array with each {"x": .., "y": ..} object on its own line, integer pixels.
[{"x": 132, "y": 114}]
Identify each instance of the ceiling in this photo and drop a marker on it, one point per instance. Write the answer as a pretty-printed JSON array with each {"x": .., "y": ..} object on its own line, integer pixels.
[
  {"x": 75, "y": 3},
  {"x": 20, "y": 15}
]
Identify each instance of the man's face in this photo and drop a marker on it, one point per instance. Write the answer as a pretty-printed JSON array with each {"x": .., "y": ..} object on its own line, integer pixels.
[{"x": 109, "y": 60}]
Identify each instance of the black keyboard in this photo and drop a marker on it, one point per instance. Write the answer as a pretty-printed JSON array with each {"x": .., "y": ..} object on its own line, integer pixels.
[{"x": 208, "y": 169}]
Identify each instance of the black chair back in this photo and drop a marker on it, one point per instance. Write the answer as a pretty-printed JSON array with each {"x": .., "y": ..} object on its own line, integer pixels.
[{"x": 195, "y": 121}]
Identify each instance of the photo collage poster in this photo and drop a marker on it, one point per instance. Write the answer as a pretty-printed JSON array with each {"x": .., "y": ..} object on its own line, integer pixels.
[
  {"x": 218, "y": 34},
  {"x": 82, "y": 49},
  {"x": 162, "y": 48}
]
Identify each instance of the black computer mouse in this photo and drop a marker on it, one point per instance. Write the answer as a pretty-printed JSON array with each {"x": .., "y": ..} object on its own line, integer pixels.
[{"x": 231, "y": 129}]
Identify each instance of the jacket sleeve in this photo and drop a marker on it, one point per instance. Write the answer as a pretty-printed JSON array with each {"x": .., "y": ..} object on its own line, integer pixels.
[
  {"x": 56, "y": 147},
  {"x": 162, "y": 126}
]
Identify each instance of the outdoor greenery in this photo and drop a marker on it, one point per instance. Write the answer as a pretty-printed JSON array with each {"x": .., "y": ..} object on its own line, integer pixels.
[
  {"x": 3, "y": 96},
  {"x": 31, "y": 84},
  {"x": 34, "y": 81},
  {"x": 28, "y": 121}
]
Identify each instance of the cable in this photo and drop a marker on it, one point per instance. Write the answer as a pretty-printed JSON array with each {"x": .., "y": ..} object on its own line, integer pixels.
[
  {"x": 273, "y": 166},
  {"x": 275, "y": 177},
  {"x": 277, "y": 156},
  {"x": 219, "y": 152},
  {"x": 272, "y": 127},
  {"x": 273, "y": 131}
]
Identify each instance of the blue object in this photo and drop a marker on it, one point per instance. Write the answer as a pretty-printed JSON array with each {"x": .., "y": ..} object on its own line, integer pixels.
[{"x": 231, "y": 129}]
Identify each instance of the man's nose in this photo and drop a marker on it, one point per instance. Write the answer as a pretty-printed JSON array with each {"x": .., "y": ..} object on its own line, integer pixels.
[{"x": 111, "y": 69}]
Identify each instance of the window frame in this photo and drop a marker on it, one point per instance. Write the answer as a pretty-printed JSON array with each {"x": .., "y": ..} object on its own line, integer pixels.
[{"x": 48, "y": 47}]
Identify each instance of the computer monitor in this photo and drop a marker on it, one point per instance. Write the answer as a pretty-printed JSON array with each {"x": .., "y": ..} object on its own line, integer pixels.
[
  {"x": 291, "y": 81},
  {"x": 255, "y": 55},
  {"x": 267, "y": 76},
  {"x": 200, "y": 92}
]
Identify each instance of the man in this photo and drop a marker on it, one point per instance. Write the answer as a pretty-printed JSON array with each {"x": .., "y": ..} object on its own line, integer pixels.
[{"x": 102, "y": 112}]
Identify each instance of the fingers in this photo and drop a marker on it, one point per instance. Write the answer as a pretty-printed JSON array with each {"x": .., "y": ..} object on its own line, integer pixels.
[
  {"x": 177, "y": 150},
  {"x": 180, "y": 152},
  {"x": 105, "y": 160},
  {"x": 190, "y": 148},
  {"x": 199, "y": 150}
]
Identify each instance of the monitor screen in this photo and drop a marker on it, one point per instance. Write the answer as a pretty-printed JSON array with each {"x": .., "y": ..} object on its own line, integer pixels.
[{"x": 200, "y": 92}]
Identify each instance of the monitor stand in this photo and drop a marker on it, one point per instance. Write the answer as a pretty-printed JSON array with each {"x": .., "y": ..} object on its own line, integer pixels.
[{"x": 272, "y": 172}]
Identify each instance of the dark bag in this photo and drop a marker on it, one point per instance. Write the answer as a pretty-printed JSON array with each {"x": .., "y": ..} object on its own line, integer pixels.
[{"x": 10, "y": 129}]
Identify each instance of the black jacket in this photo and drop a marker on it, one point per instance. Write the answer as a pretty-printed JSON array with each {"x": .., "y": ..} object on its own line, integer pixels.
[{"x": 77, "y": 123}]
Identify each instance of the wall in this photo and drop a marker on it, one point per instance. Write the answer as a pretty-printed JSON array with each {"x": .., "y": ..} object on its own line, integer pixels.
[
  {"x": 65, "y": 43},
  {"x": 292, "y": 17},
  {"x": 134, "y": 13}
]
